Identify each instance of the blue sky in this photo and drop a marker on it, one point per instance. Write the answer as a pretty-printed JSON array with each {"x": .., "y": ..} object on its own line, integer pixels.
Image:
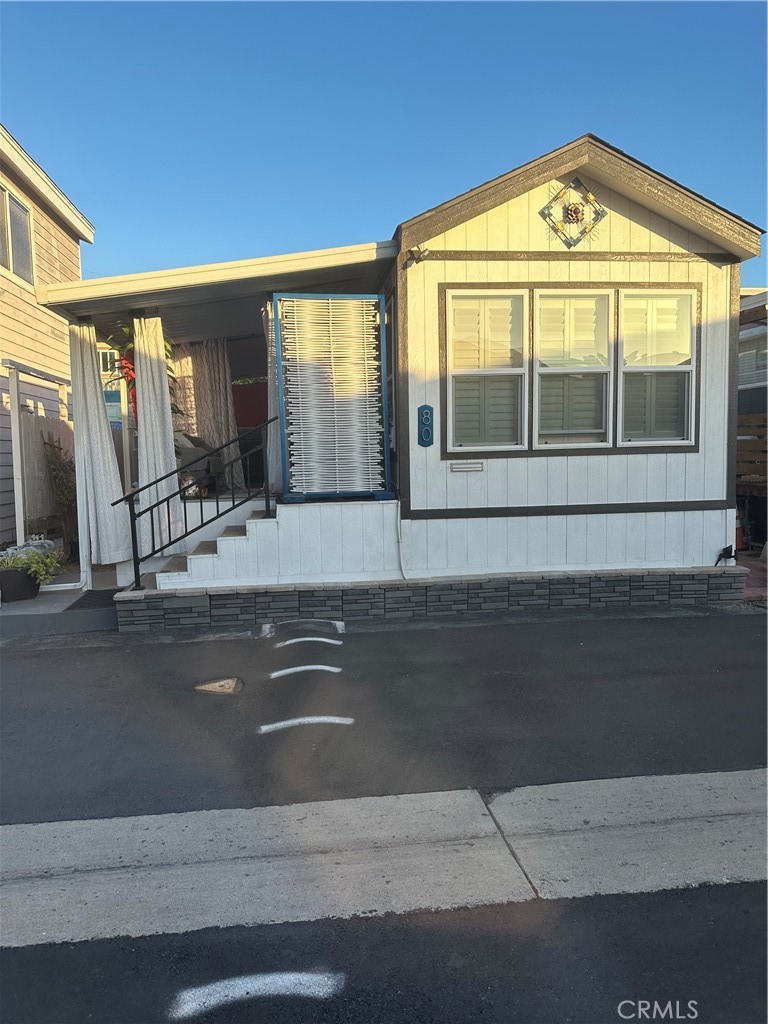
[{"x": 198, "y": 132}]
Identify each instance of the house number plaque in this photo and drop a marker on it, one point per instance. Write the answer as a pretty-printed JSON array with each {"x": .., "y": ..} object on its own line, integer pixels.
[{"x": 426, "y": 425}]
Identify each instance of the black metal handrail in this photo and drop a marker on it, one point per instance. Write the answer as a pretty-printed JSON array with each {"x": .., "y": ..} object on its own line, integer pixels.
[{"x": 135, "y": 514}]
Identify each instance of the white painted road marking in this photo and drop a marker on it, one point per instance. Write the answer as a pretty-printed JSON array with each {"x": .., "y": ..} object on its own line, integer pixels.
[
  {"x": 75, "y": 881},
  {"x": 289, "y": 723},
  {"x": 303, "y": 668},
  {"x": 191, "y": 1002},
  {"x": 310, "y": 640}
]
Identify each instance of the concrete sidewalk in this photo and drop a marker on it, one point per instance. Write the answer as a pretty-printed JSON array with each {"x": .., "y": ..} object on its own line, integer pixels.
[{"x": 158, "y": 874}]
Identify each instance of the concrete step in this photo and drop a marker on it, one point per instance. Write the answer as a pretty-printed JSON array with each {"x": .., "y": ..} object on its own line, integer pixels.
[
  {"x": 205, "y": 547},
  {"x": 234, "y": 531},
  {"x": 176, "y": 564}
]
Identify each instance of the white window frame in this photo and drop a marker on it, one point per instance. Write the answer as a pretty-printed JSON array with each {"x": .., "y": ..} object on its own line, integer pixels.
[
  {"x": 691, "y": 369},
  {"x": 607, "y": 370},
  {"x": 522, "y": 372}
]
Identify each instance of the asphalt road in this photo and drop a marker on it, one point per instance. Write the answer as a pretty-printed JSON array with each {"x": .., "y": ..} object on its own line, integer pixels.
[
  {"x": 103, "y": 731},
  {"x": 543, "y": 962}
]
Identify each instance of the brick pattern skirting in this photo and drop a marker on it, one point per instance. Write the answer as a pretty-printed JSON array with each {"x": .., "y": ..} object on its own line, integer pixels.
[{"x": 228, "y": 607}]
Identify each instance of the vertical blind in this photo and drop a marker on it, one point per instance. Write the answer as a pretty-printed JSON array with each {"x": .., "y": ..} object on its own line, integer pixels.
[{"x": 331, "y": 365}]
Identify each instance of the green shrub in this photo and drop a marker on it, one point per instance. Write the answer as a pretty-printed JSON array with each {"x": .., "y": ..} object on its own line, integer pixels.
[{"x": 37, "y": 564}]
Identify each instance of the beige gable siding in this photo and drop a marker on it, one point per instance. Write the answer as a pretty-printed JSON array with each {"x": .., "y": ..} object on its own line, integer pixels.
[
  {"x": 30, "y": 333},
  {"x": 56, "y": 250},
  {"x": 518, "y": 225}
]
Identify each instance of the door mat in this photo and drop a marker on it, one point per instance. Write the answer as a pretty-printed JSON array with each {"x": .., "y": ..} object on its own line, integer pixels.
[{"x": 93, "y": 599}]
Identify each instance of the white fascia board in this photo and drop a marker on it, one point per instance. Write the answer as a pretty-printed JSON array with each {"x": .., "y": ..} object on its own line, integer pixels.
[
  {"x": 215, "y": 273},
  {"x": 752, "y": 297},
  {"x": 34, "y": 176}
]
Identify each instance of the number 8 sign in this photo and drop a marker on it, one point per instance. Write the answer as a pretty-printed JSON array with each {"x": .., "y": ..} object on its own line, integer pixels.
[{"x": 426, "y": 429}]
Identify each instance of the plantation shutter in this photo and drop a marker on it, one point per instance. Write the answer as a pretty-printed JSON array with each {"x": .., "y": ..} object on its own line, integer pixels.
[
  {"x": 655, "y": 406},
  {"x": 657, "y": 330},
  {"x": 487, "y": 332},
  {"x": 572, "y": 330},
  {"x": 333, "y": 395},
  {"x": 572, "y": 403},
  {"x": 486, "y": 410}
]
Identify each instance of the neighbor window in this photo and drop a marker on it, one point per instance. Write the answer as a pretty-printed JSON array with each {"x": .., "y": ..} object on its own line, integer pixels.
[
  {"x": 656, "y": 359},
  {"x": 15, "y": 236},
  {"x": 572, "y": 354},
  {"x": 487, "y": 369}
]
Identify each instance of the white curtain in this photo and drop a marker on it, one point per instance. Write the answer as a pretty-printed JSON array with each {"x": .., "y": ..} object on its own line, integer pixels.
[
  {"x": 184, "y": 390},
  {"x": 274, "y": 444},
  {"x": 157, "y": 455},
  {"x": 109, "y": 527},
  {"x": 214, "y": 404}
]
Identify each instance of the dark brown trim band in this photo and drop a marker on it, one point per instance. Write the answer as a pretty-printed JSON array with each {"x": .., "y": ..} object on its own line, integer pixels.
[
  {"x": 501, "y": 256},
  {"x": 402, "y": 401},
  {"x": 536, "y": 511},
  {"x": 734, "y": 307},
  {"x": 530, "y": 451}
]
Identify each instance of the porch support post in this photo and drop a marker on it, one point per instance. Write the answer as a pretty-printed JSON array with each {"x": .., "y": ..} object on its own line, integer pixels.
[
  {"x": 17, "y": 455},
  {"x": 81, "y": 485}
]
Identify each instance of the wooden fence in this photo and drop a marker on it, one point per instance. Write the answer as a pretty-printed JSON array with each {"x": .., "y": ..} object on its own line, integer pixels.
[{"x": 751, "y": 447}]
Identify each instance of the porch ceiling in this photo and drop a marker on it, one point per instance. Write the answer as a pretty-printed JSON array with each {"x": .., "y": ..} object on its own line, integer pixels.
[{"x": 224, "y": 299}]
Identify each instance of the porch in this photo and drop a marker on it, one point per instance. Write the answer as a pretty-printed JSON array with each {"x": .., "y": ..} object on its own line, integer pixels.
[{"x": 211, "y": 455}]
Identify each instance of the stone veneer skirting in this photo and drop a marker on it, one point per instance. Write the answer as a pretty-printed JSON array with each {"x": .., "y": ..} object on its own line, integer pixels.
[{"x": 239, "y": 607}]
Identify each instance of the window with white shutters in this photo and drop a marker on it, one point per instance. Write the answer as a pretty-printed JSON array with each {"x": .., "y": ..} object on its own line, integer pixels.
[
  {"x": 15, "y": 236},
  {"x": 656, "y": 356},
  {"x": 572, "y": 356},
  {"x": 486, "y": 369}
]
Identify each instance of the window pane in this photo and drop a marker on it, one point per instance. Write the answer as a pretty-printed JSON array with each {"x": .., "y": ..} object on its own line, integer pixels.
[
  {"x": 573, "y": 330},
  {"x": 486, "y": 410},
  {"x": 656, "y": 330},
  {"x": 656, "y": 406},
  {"x": 487, "y": 332},
  {"x": 4, "y": 254},
  {"x": 21, "y": 242},
  {"x": 572, "y": 408}
]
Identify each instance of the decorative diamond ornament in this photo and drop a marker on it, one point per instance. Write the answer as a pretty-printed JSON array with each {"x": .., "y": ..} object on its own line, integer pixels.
[{"x": 573, "y": 213}]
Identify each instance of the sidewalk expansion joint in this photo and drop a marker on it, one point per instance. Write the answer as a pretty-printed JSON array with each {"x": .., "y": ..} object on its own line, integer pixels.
[{"x": 509, "y": 846}]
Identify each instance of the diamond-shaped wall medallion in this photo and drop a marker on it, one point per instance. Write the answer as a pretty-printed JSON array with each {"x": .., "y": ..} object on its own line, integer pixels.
[{"x": 573, "y": 213}]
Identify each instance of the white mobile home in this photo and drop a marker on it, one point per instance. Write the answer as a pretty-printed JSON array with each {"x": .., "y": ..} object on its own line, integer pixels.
[{"x": 537, "y": 377}]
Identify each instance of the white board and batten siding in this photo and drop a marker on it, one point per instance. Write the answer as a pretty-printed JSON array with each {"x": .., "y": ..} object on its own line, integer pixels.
[{"x": 601, "y": 540}]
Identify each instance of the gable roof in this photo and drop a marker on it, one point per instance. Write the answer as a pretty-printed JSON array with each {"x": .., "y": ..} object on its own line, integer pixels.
[
  {"x": 35, "y": 177},
  {"x": 611, "y": 166}
]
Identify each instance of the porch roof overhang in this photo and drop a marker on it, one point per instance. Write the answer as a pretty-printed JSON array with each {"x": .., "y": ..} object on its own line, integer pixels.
[{"x": 221, "y": 299}]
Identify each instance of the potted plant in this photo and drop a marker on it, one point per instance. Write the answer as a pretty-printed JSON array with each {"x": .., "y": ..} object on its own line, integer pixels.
[{"x": 24, "y": 571}]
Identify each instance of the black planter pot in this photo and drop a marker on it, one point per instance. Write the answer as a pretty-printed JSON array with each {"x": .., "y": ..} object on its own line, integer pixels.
[{"x": 17, "y": 585}]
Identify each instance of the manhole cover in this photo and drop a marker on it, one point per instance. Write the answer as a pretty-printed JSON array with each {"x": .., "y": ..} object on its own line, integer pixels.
[{"x": 224, "y": 686}]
